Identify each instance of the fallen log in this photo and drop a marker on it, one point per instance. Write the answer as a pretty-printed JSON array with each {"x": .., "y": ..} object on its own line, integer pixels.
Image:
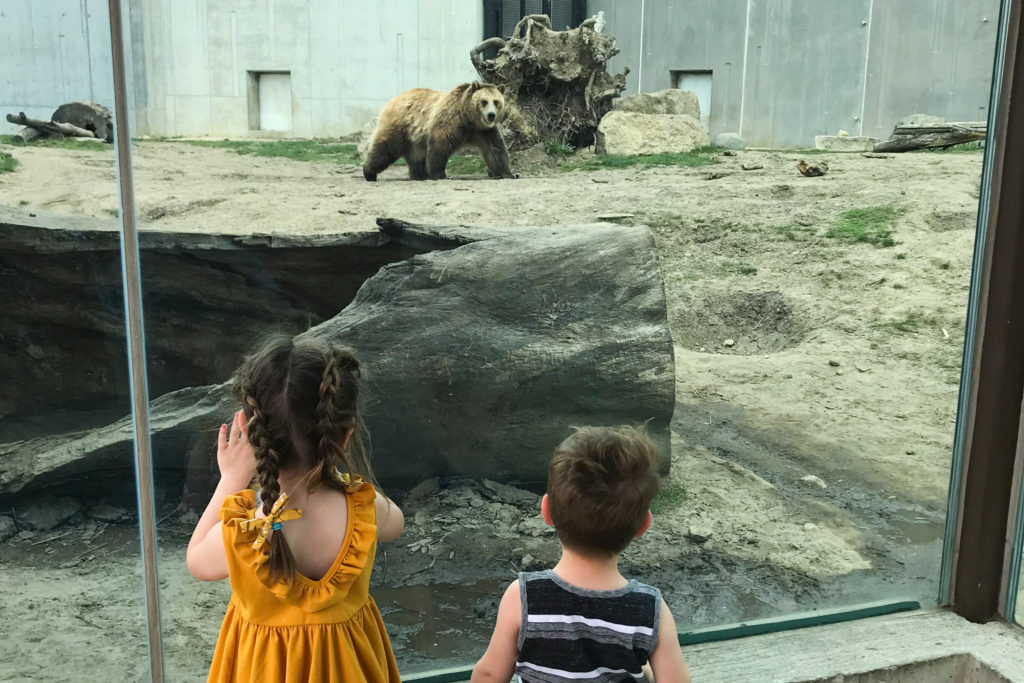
[
  {"x": 26, "y": 135},
  {"x": 49, "y": 127},
  {"x": 936, "y": 136}
]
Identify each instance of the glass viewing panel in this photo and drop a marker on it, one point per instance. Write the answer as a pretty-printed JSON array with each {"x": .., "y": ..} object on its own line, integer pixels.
[
  {"x": 72, "y": 598},
  {"x": 802, "y": 300}
]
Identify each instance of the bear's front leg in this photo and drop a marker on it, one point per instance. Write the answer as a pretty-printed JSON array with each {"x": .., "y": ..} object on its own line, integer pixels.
[
  {"x": 439, "y": 149},
  {"x": 495, "y": 153}
]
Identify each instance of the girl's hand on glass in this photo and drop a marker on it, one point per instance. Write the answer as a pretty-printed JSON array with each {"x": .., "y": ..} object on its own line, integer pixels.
[{"x": 236, "y": 457}]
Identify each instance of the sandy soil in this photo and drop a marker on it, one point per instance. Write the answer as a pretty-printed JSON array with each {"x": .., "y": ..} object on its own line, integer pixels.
[{"x": 844, "y": 366}]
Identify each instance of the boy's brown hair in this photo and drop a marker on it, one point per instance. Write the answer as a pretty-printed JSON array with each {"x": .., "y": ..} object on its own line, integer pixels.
[{"x": 601, "y": 482}]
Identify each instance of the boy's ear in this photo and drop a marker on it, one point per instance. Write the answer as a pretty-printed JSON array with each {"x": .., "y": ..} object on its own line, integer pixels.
[
  {"x": 545, "y": 510},
  {"x": 645, "y": 526}
]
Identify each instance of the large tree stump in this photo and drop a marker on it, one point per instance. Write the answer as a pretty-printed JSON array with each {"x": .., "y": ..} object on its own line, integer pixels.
[{"x": 556, "y": 83}]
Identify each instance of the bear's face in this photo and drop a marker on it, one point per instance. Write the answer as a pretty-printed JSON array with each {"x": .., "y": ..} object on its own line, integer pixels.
[{"x": 487, "y": 104}]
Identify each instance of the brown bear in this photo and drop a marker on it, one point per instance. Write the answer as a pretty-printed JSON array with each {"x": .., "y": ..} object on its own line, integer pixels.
[{"x": 425, "y": 127}]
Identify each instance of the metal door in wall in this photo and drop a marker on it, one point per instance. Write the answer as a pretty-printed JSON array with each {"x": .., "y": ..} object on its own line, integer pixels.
[
  {"x": 699, "y": 82},
  {"x": 275, "y": 93}
]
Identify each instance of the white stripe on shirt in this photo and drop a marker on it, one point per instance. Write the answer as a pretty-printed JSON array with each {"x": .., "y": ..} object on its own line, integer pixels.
[
  {"x": 576, "y": 619},
  {"x": 579, "y": 674}
]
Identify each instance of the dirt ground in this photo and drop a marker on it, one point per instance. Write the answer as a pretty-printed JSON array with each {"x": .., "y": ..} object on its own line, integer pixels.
[{"x": 798, "y": 355}]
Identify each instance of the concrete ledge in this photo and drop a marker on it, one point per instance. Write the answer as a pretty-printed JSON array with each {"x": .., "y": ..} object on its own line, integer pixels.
[{"x": 844, "y": 653}]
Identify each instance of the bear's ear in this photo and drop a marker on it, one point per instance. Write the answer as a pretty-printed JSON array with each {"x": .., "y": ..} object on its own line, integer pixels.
[{"x": 475, "y": 85}]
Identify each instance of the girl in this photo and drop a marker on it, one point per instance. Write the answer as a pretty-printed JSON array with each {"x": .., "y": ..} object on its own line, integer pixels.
[{"x": 299, "y": 553}]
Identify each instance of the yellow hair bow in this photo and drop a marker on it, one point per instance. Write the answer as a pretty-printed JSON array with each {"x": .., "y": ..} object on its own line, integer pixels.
[
  {"x": 271, "y": 522},
  {"x": 349, "y": 480}
]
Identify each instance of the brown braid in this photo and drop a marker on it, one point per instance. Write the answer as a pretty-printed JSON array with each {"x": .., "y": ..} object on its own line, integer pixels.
[
  {"x": 281, "y": 561},
  {"x": 300, "y": 399}
]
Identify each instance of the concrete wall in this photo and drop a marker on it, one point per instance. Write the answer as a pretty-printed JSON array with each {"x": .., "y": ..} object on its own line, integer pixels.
[
  {"x": 192, "y": 58},
  {"x": 53, "y": 52},
  {"x": 787, "y": 70}
]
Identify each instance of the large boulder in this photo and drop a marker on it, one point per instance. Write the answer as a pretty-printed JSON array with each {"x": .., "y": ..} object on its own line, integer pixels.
[
  {"x": 670, "y": 101},
  {"x": 66, "y": 352},
  {"x": 480, "y": 355},
  {"x": 730, "y": 141},
  {"x": 627, "y": 133}
]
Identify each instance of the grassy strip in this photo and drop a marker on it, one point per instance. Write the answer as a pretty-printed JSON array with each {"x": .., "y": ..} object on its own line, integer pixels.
[
  {"x": 698, "y": 157},
  {"x": 7, "y": 163},
  {"x": 873, "y": 225}
]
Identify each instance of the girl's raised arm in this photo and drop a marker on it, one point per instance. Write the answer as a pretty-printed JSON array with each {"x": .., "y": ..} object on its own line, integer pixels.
[{"x": 237, "y": 463}]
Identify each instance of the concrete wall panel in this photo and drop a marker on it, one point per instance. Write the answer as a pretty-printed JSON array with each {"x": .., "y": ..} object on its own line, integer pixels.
[
  {"x": 53, "y": 52},
  {"x": 787, "y": 70}
]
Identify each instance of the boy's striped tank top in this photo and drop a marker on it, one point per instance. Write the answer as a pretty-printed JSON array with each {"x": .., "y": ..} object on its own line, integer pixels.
[{"x": 574, "y": 634}]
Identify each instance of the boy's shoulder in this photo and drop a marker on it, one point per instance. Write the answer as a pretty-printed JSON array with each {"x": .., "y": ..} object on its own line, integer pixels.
[{"x": 550, "y": 578}]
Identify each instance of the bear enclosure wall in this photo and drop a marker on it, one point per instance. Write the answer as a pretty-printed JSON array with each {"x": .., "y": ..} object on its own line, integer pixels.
[
  {"x": 196, "y": 66},
  {"x": 779, "y": 71},
  {"x": 783, "y": 71}
]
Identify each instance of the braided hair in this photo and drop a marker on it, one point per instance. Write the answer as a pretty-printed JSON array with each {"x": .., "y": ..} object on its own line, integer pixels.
[{"x": 301, "y": 399}]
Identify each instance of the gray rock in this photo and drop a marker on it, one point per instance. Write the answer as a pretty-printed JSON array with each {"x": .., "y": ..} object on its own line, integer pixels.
[
  {"x": 106, "y": 513},
  {"x": 535, "y": 526},
  {"x": 43, "y": 513},
  {"x": 812, "y": 480},
  {"x": 462, "y": 379},
  {"x": 510, "y": 494},
  {"x": 699, "y": 532},
  {"x": 730, "y": 141},
  {"x": 621, "y": 132},
  {"x": 196, "y": 284},
  {"x": 7, "y": 527},
  {"x": 845, "y": 143},
  {"x": 670, "y": 101}
]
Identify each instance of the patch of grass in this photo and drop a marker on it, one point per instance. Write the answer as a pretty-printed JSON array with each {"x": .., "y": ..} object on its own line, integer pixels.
[
  {"x": 945, "y": 265},
  {"x": 7, "y": 163},
  {"x": 794, "y": 232},
  {"x": 908, "y": 323},
  {"x": 975, "y": 147},
  {"x": 873, "y": 225},
  {"x": 901, "y": 256},
  {"x": 554, "y": 148},
  {"x": 466, "y": 164},
  {"x": 698, "y": 157},
  {"x": 296, "y": 150},
  {"x": 669, "y": 498},
  {"x": 59, "y": 142},
  {"x": 22, "y": 202},
  {"x": 897, "y": 285}
]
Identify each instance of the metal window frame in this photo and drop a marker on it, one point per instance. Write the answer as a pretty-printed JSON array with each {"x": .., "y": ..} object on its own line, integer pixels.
[{"x": 978, "y": 553}]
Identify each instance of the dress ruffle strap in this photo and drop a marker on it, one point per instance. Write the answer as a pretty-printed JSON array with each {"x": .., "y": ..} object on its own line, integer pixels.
[{"x": 305, "y": 593}]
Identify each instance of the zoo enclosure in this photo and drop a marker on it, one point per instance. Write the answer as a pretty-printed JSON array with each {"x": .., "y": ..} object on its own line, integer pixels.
[{"x": 306, "y": 69}]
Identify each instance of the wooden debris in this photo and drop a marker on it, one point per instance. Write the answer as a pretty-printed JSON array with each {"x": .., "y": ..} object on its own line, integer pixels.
[
  {"x": 74, "y": 119},
  {"x": 933, "y": 136}
]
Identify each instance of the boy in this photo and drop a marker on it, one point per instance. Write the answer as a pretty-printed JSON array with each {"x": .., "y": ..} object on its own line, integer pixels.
[{"x": 582, "y": 621}]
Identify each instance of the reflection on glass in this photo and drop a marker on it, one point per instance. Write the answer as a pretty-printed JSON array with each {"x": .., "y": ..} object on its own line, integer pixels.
[
  {"x": 815, "y": 322},
  {"x": 72, "y": 600}
]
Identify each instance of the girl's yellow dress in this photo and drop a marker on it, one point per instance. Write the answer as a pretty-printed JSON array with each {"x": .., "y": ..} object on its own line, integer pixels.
[{"x": 307, "y": 631}]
